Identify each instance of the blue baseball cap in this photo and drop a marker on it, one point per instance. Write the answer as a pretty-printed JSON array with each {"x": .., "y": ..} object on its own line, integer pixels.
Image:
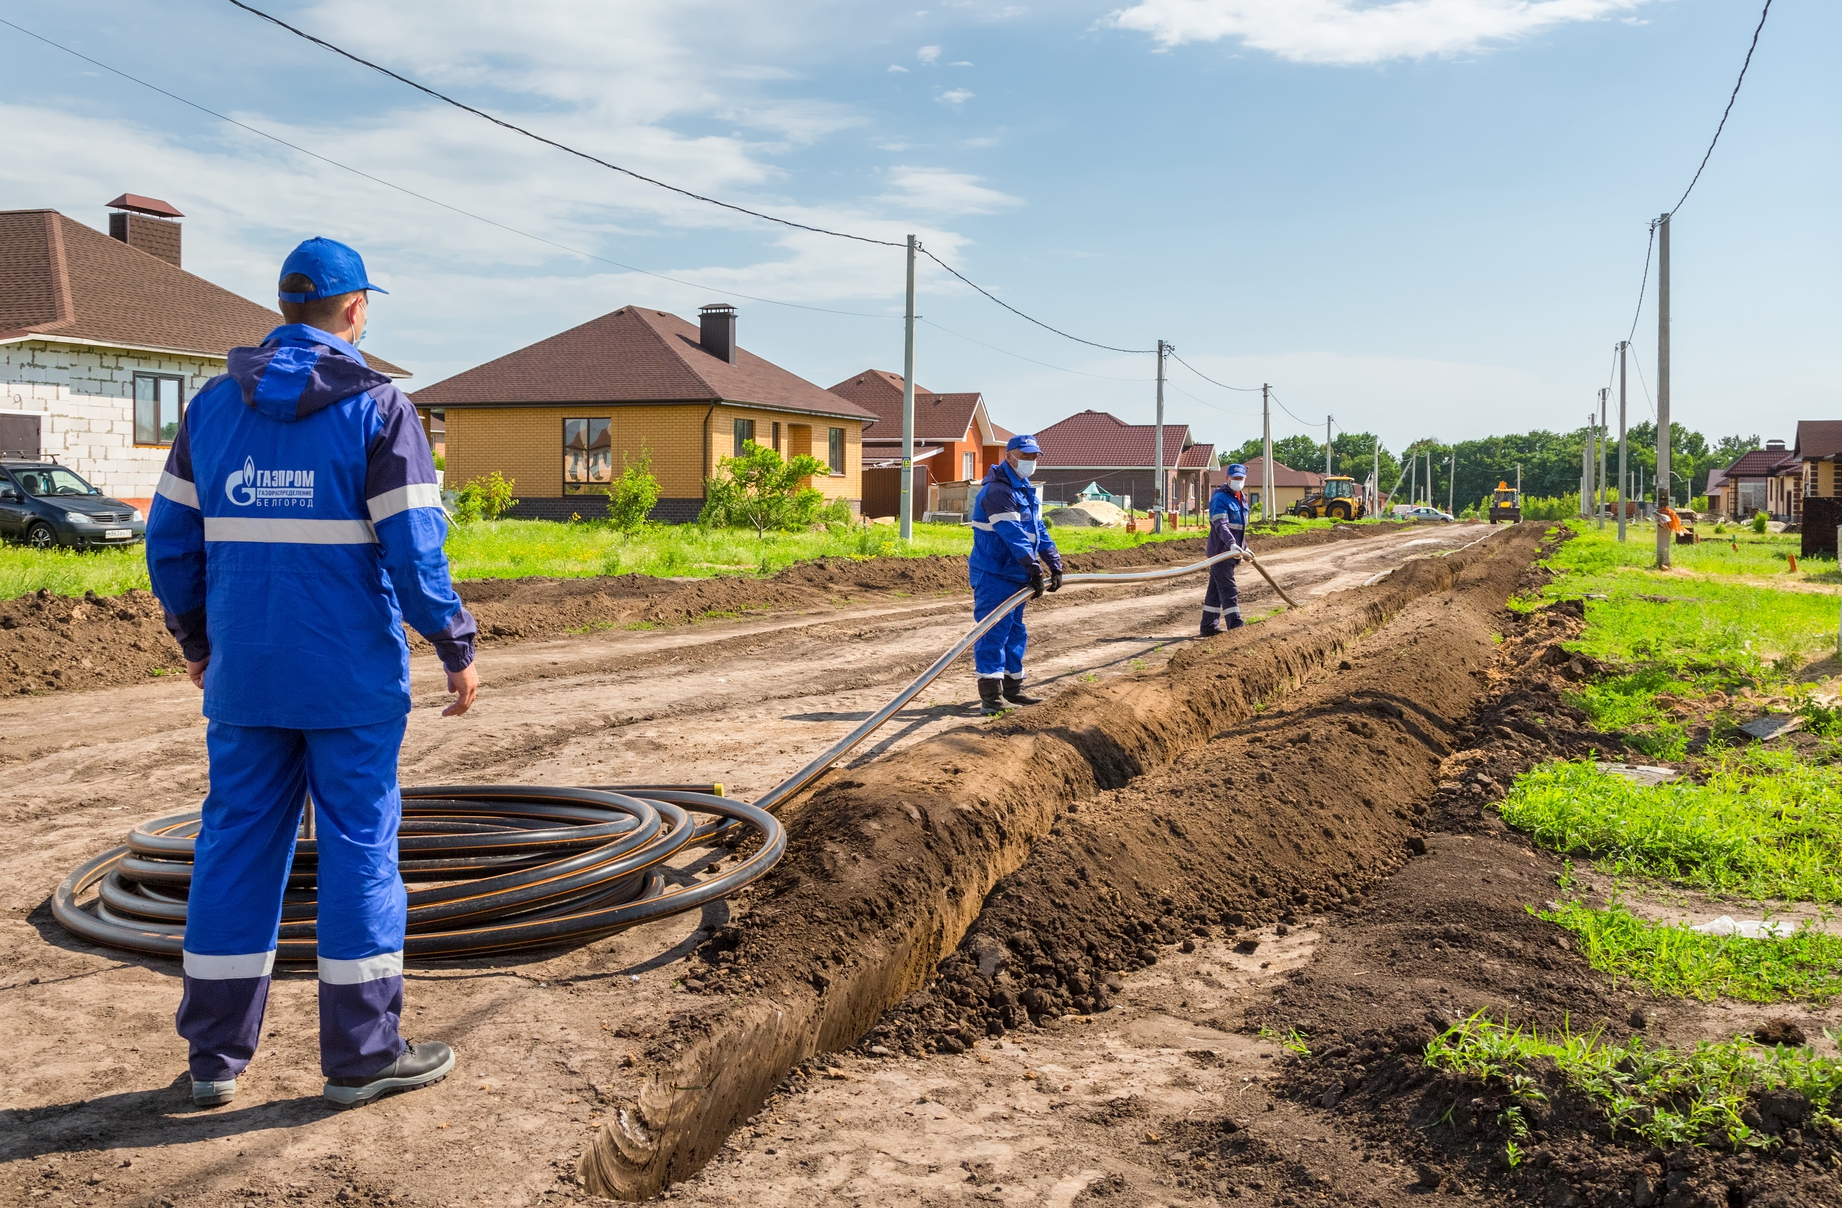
[
  {"x": 1237, "y": 470},
  {"x": 1022, "y": 443},
  {"x": 333, "y": 268}
]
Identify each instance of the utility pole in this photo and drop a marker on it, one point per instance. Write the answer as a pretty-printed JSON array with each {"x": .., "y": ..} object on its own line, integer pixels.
[
  {"x": 1375, "y": 481},
  {"x": 1602, "y": 497},
  {"x": 907, "y": 523},
  {"x": 1664, "y": 536},
  {"x": 1266, "y": 439},
  {"x": 1157, "y": 521},
  {"x": 1586, "y": 467},
  {"x": 1624, "y": 480},
  {"x": 1327, "y": 420},
  {"x": 1451, "y": 483}
]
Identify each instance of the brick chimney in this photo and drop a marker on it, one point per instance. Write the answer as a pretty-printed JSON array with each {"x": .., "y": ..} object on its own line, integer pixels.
[
  {"x": 146, "y": 223},
  {"x": 716, "y": 330}
]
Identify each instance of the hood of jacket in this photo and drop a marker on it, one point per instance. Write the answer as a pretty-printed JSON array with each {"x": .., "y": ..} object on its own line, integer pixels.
[{"x": 300, "y": 370}]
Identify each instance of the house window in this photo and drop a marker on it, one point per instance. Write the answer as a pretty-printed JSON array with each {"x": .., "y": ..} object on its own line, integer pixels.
[
  {"x": 968, "y": 466},
  {"x": 159, "y": 400},
  {"x": 1752, "y": 498},
  {"x": 745, "y": 432},
  {"x": 777, "y": 437},
  {"x": 834, "y": 450},
  {"x": 588, "y": 456}
]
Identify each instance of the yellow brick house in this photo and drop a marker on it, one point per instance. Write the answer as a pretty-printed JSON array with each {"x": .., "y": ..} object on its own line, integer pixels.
[{"x": 560, "y": 416}]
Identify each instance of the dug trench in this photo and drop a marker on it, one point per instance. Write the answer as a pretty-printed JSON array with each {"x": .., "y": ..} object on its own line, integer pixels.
[
  {"x": 1022, "y": 853},
  {"x": 52, "y": 643}
]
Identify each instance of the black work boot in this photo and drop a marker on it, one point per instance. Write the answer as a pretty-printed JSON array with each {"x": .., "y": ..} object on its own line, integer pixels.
[
  {"x": 1014, "y": 693},
  {"x": 990, "y": 703},
  {"x": 419, "y": 1065}
]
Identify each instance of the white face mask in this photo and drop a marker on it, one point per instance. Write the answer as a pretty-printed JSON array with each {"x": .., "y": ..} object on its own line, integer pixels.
[
  {"x": 1026, "y": 468},
  {"x": 1236, "y": 484}
]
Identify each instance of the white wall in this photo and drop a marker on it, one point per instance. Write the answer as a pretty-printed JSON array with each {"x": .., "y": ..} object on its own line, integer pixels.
[{"x": 85, "y": 395}]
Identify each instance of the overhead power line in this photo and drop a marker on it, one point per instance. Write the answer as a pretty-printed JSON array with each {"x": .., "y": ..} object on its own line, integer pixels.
[
  {"x": 1732, "y": 97},
  {"x": 595, "y": 159},
  {"x": 1111, "y": 377},
  {"x": 1205, "y": 377},
  {"x": 1310, "y": 423}
]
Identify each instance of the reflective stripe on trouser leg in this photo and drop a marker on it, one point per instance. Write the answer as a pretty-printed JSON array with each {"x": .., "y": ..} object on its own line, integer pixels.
[
  {"x": 362, "y": 902},
  {"x": 233, "y": 912},
  {"x": 1221, "y": 603},
  {"x": 1000, "y": 650}
]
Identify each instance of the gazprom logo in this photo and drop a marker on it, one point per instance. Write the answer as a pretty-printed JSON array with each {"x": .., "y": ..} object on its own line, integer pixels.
[{"x": 269, "y": 488}]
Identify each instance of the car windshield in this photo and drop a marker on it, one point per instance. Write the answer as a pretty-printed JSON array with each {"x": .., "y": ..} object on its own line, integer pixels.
[{"x": 52, "y": 480}]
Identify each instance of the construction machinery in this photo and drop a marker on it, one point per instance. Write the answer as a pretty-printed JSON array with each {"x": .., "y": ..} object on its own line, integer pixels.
[
  {"x": 1505, "y": 504},
  {"x": 1340, "y": 498}
]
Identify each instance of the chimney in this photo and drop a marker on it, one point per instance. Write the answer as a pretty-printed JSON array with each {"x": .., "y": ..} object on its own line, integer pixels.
[
  {"x": 1774, "y": 446},
  {"x": 716, "y": 330},
  {"x": 146, "y": 223}
]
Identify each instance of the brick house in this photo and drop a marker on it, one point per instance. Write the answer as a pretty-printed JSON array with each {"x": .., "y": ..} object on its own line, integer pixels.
[
  {"x": 955, "y": 438},
  {"x": 104, "y": 339},
  {"x": 1765, "y": 480},
  {"x": 561, "y": 416},
  {"x": 1099, "y": 448}
]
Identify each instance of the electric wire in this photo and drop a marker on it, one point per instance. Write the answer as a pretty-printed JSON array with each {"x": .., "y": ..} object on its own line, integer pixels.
[
  {"x": 1007, "y": 306},
  {"x": 1205, "y": 377},
  {"x": 1110, "y": 377},
  {"x": 1728, "y": 111}
]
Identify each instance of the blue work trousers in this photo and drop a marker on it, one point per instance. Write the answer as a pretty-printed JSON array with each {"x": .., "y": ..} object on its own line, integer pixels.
[
  {"x": 1221, "y": 603},
  {"x": 260, "y": 778},
  {"x": 1000, "y": 651}
]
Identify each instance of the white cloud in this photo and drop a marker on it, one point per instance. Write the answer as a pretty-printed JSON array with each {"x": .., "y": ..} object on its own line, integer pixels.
[
  {"x": 1345, "y": 32},
  {"x": 944, "y": 191},
  {"x": 928, "y": 54},
  {"x": 898, "y": 67},
  {"x": 956, "y": 96},
  {"x": 960, "y": 63}
]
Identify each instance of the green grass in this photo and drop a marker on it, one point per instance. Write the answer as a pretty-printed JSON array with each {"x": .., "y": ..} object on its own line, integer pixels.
[
  {"x": 1766, "y": 824},
  {"x": 107, "y": 572},
  {"x": 1677, "y": 960},
  {"x": 1668, "y": 1097}
]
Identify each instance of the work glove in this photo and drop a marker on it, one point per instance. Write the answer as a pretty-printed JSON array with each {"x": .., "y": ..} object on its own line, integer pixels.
[
  {"x": 1055, "y": 578},
  {"x": 1036, "y": 581}
]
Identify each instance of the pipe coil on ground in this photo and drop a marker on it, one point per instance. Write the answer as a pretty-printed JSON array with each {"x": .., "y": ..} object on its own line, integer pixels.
[
  {"x": 508, "y": 866},
  {"x": 490, "y": 868}
]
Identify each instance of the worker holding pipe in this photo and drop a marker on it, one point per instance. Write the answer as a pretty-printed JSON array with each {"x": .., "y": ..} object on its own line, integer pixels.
[
  {"x": 1011, "y": 548},
  {"x": 295, "y": 529},
  {"x": 1228, "y": 515}
]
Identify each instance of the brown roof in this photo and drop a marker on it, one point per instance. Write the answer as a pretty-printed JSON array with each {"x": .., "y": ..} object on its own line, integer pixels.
[
  {"x": 1097, "y": 440},
  {"x": 1761, "y": 463},
  {"x": 64, "y": 280},
  {"x": 1197, "y": 457},
  {"x": 1283, "y": 475},
  {"x": 937, "y": 416},
  {"x": 1819, "y": 438},
  {"x": 145, "y": 205},
  {"x": 633, "y": 355}
]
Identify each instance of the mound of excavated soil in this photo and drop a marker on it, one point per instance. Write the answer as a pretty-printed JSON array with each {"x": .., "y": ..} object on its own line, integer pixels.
[{"x": 51, "y": 643}]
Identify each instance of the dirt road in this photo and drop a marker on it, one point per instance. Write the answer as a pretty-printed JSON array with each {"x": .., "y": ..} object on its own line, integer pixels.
[{"x": 95, "y": 1078}]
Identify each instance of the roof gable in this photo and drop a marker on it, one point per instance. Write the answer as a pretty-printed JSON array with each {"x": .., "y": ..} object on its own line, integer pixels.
[
  {"x": 1818, "y": 438},
  {"x": 1102, "y": 441},
  {"x": 632, "y": 355},
  {"x": 937, "y": 416}
]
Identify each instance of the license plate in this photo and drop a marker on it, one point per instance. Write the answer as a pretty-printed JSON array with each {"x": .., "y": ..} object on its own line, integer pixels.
[{"x": 117, "y": 534}]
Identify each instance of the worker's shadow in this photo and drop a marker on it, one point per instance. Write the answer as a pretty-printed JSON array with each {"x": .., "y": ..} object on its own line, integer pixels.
[{"x": 146, "y": 1119}]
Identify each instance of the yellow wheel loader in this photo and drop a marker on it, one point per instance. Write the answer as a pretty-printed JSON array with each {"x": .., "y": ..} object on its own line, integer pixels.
[{"x": 1340, "y": 498}]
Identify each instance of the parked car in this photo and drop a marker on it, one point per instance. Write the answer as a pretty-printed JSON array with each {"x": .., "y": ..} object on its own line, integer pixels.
[
  {"x": 45, "y": 504},
  {"x": 1425, "y": 513}
]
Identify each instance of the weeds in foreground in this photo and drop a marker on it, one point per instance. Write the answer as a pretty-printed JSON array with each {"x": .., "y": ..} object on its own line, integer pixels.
[
  {"x": 1291, "y": 1039},
  {"x": 1668, "y": 1097},
  {"x": 1766, "y": 823},
  {"x": 1675, "y": 959}
]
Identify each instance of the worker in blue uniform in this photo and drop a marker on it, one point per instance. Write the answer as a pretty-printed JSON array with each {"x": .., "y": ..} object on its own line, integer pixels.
[
  {"x": 1229, "y": 512},
  {"x": 1011, "y": 548},
  {"x": 297, "y": 526}
]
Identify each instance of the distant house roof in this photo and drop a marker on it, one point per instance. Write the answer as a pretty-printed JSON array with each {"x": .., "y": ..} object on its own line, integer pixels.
[
  {"x": 1098, "y": 440},
  {"x": 1283, "y": 476},
  {"x": 1818, "y": 438},
  {"x": 632, "y": 355},
  {"x": 61, "y": 280},
  {"x": 1197, "y": 457},
  {"x": 938, "y": 417},
  {"x": 1760, "y": 463}
]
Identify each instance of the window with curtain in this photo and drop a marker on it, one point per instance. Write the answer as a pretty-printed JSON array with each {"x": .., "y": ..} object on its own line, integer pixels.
[
  {"x": 588, "y": 456},
  {"x": 158, "y": 402},
  {"x": 834, "y": 450}
]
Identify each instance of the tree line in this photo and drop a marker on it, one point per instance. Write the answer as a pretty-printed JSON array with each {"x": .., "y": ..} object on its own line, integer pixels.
[{"x": 1550, "y": 461}]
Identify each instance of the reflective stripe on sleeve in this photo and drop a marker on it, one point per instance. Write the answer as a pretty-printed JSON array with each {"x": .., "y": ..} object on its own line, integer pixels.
[
  {"x": 1016, "y": 516},
  {"x": 178, "y": 490},
  {"x": 415, "y": 495},
  {"x": 364, "y": 969},
  {"x": 226, "y": 968},
  {"x": 289, "y": 532}
]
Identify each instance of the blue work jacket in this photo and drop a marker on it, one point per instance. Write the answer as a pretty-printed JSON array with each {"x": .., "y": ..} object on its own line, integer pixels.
[
  {"x": 297, "y": 525},
  {"x": 1008, "y": 533},
  {"x": 1229, "y": 512}
]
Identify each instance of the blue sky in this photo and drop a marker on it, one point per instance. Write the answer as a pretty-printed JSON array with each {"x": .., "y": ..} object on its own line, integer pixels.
[{"x": 1426, "y": 217}]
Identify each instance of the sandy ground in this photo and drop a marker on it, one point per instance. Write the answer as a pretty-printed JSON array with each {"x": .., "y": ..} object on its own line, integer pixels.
[{"x": 94, "y": 1079}]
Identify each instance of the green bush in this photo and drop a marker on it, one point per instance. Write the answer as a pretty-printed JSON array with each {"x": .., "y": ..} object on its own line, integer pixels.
[
  {"x": 631, "y": 496},
  {"x": 1759, "y": 521},
  {"x": 485, "y": 498},
  {"x": 760, "y": 490}
]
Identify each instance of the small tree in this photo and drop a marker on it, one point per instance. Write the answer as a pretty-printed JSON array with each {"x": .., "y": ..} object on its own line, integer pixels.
[
  {"x": 485, "y": 498},
  {"x": 631, "y": 496},
  {"x": 763, "y": 491}
]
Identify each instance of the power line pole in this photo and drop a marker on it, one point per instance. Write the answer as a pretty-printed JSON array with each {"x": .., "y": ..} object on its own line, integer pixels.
[
  {"x": 1451, "y": 483},
  {"x": 1266, "y": 438},
  {"x": 907, "y": 522},
  {"x": 1157, "y": 521},
  {"x": 1664, "y": 537},
  {"x": 1327, "y": 420},
  {"x": 1602, "y": 496},
  {"x": 1624, "y": 478},
  {"x": 1375, "y": 481},
  {"x": 1586, "y": 466}
]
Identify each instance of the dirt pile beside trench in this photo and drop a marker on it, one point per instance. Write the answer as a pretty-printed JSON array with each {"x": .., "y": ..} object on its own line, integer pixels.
[
  {"x": 889, "y": 865},
  {"x": 51, "y": 643}
]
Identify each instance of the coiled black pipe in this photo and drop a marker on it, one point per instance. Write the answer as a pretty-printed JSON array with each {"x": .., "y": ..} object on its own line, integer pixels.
[{"x": 508, "y": 866}]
